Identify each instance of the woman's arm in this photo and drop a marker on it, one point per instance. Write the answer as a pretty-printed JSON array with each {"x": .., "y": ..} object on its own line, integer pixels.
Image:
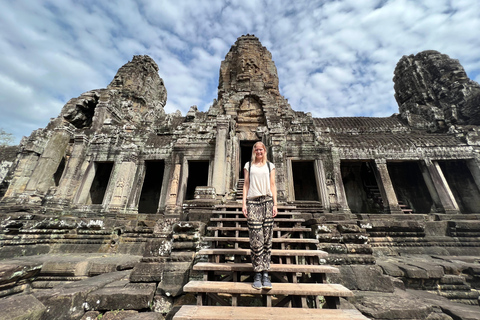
[
  {"x": 246, "y": 186},
  {"x": 273, "y": 189}
]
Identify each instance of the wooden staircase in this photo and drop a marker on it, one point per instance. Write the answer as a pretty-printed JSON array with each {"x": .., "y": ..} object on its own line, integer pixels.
[
  {"x": 297, "y": 271},
  {"x": 239, "y": 194}
]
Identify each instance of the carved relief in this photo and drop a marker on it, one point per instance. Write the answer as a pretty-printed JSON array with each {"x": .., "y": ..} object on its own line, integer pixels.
[{"x": 250, "y": 110}]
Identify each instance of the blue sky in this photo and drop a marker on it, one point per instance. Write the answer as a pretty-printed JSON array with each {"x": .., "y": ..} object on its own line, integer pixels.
[{"x": 334, "y": 58}]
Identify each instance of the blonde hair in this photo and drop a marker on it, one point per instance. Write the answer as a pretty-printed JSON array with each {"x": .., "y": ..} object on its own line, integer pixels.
[{"x": 264, "y": 160}]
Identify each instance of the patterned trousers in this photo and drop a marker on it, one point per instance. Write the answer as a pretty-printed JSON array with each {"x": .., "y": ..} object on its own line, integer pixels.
[{"x": 260, "y": 229}]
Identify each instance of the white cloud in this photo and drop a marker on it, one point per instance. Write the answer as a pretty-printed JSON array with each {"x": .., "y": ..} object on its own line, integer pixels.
[{"x": 334, "y": 58}]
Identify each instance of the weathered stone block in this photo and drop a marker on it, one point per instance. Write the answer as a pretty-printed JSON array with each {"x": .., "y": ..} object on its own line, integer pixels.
[
  {"x": 133, "y": 296},
  {"x": 21, "y": 307},
  {"x": 365, "y": 278},
  {"x": 162, "y": 304},
  {"x": 391, "y": 306},
  {"x": 158, "y": 247},
  {"x": 148, "y": 272},
  {"x": 175, "y": 276},
  {"x": 67, "y": 301}
]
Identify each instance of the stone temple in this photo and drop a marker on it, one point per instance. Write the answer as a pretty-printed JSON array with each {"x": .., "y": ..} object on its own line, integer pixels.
[{"x": 116, "y": 204}]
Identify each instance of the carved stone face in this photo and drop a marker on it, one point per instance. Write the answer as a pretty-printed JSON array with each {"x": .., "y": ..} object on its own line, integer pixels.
[{"x": 434, "y": 87}]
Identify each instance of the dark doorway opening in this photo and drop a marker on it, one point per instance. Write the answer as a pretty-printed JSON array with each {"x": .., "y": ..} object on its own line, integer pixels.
[
  {"x": 197, "y": 176},
  {"x": 58, "y": 174},
  {"x": 462, "y": 185},
  {"x": 103, "y": 170},
  {"x": 410, "y": 187},
  {"x": 245, "y": 154},
  {"x": 361, "y": 188},
  {"x": 304, "y": 181},
  {"x": 152, "y": 187}
]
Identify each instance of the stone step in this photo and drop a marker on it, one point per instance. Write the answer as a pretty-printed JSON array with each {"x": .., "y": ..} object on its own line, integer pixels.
[
  {"x": 290, "y": 289},
  {"x": 264, "y": 313},
  {"x": 275, "y": 252},
  {"x": 298, "y": 229},
  {"x": 245, "y": 220},
  {"x": 301, "y": 268},
  {"x": 238, "y": 206},
  {"x": 274, "y": 240},
  {"x": 280, "y": 213}
]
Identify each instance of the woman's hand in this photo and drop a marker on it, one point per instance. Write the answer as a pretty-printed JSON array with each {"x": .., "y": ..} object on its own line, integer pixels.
[
  {"x": 244, "y": 210},
  {"x": 275, "y": 211}
]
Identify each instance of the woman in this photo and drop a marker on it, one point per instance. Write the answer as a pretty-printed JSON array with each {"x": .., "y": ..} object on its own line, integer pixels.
[{"x": 260, "y": 207}]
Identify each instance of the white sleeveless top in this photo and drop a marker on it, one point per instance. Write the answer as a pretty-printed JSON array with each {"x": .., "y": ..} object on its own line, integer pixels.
[{"x": 259, "y": 180}]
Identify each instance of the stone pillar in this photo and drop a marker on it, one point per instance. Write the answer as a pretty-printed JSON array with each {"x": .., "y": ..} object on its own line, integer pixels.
[
  {"x": 42, "y": 176},
  {"x": 342, "y": 202},
  {"x": 279, "y": 158},
  {"x": 474, "y": 168},
  {"x": 173, "y": 188},
  {"x": 123, "y": 182},
  {"x": 446, "y": 196},
  {"x": 322, "y": 185},
  {"x": 82, "y": 197},
  {"x": 386, "y": 187},
  {"x": 431, "y": 187},
  {"x": 69, "y": 182},
  {"x": 219, "y": 166}
]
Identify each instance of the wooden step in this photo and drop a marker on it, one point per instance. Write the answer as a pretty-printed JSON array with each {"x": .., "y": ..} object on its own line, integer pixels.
[
  {"x": 303, "y": 268},
  {"x": 296, "y": 289},
  {"x": 187, "y": 312},
  {"x": 275, "y": 252},
  {"x": 274, "y": 240}
]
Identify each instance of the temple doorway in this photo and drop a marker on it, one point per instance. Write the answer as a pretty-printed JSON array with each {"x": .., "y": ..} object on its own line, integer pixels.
[
  {"x": 304, "y": 181},
  {"x": 197, "y": 176},
  {"x": 245, "y": 154},
  {"x": 103, "y": 171},
  {"x": 462, "y": 185},
  {"x": 361, "y": 188},
  {"x": 152, "y": 187}
]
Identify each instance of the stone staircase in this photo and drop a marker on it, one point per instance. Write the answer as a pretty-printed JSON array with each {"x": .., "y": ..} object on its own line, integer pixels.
[{"x": 298, "y": 274}]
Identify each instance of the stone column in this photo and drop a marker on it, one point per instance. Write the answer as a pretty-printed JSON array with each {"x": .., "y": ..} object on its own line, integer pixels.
[
  {"x": 69, "y": 182},
  {"x": 322, "y": 185},
  {"x": 342, "y": 202},
  {"x": 474, "y": 168},
  {"x": 219, "y": 165},
  {"x": 173, "y": 188},
  {"x": 123, "y": 182},
  {"x": 431, "y": 186},
  {"x": 278, "y": 156},
  {"x": 42, "y": 176},
  {"x": 446, "y": 196},
  {"x": 386, "y": 187}
]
